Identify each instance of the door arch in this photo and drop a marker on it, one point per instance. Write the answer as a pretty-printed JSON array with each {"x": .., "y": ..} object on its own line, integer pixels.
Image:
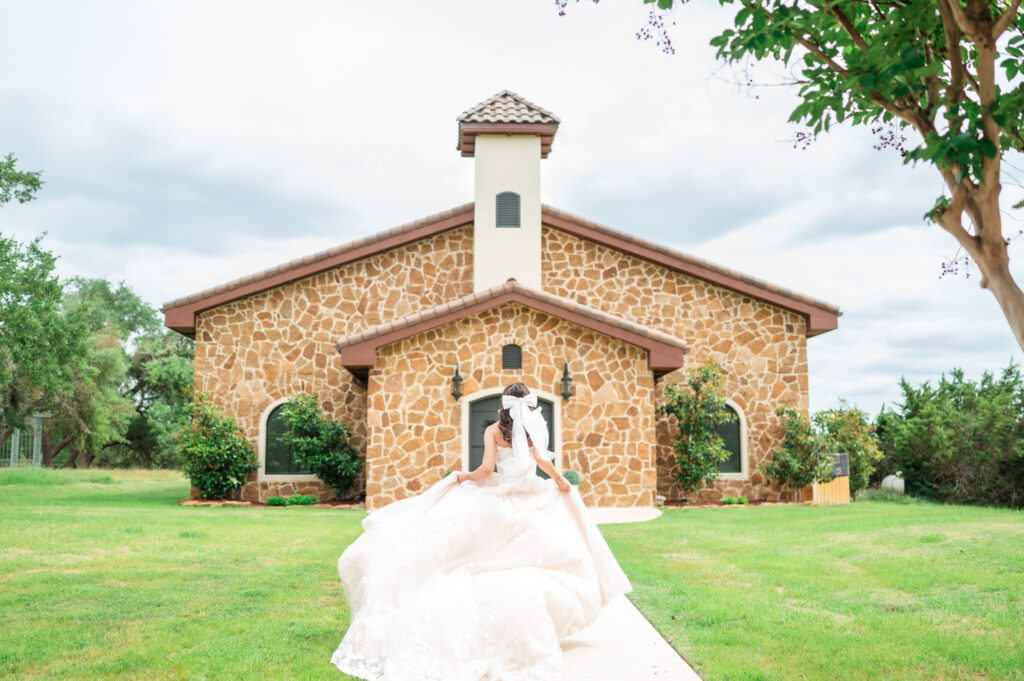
[{"x": 483, "y": 411}]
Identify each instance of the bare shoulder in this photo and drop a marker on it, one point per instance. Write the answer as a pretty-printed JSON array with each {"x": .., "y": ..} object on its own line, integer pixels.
[{"x": 493, "y": 432}]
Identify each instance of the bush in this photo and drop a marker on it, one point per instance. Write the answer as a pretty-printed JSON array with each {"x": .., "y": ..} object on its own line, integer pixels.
[
  {"x": 215, "y": 455},
  {"x": 572, "y": 477},
  {"x": 302, "y": 500},
  {"x": 698, "y": 412},
  {"x": 319, "y": 444},
  {"x": 734, "y": 500},
  {"x": 801, "y": 458},
  {"x": 275, "y": 501},
  {"x": 961, "y": 441},
  {"x": 847, "y": 429}
]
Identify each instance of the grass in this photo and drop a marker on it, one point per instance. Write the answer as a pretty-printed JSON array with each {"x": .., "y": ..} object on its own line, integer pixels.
[{"x": 106, "y": 577}]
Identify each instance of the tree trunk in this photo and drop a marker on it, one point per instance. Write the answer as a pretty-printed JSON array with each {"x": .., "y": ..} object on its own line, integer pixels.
[
  {"x": 997, "y": 279},
  {"x": 48, "y": 457}
]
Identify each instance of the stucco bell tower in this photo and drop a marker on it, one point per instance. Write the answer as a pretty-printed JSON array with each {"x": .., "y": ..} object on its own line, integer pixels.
[{"x": 507, "y": 136}]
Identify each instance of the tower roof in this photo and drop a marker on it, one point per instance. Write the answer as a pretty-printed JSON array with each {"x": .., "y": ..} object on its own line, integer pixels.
[{"x": 506, "y": 113}]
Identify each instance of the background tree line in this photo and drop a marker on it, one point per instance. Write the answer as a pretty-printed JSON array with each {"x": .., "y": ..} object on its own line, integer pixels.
[
  {"x": 90, "y": 353},
  {"x": 95, "y": 357},
  {"x": 961, "y": 441}
]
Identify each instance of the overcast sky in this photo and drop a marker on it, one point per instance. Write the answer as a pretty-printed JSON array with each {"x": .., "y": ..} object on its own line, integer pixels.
[{"x": 185, "y": 144}]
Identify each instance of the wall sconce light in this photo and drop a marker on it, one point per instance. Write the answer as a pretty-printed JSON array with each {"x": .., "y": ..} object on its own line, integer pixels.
[
  {"x": 456, "y": 384},
  {"x": 567, "y": 387}
]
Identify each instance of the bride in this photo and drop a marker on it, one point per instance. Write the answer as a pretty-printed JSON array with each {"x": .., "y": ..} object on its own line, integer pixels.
[{"x": 481, "y": 576}]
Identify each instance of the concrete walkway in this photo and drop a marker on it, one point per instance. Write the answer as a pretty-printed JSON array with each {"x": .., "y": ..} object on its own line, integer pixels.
[{"x": 621, "y": 643}]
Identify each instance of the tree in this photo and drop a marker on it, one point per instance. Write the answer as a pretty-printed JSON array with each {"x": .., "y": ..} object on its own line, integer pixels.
[
  {"x": 17, "y": 184},
  {"x": 961, "y": 441},
  {"x": 801, "y": 458},
  {"x": 698, "y": 409},
  {"x": 947, "y": 72},
  {"x": 848, "y": 429},
  {"x": 39, "y": 339},
  {"x": 132, "y": 389},
  {"x": 320, "y": 445}
]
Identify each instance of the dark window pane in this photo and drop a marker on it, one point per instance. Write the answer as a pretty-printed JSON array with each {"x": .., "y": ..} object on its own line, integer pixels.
[
  {"x": 511, "y": 357},
  {"x": 730, "y": 434},
  {"x": 278, "y": 457}
]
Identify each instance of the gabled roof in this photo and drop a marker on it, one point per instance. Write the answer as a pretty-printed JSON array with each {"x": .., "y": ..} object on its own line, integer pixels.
[
  {"x": 506, "y": 113},
  {"x": 180, "y": 314},
  {"x": 821, "y": 316},
  {"x": 359, "y": 350}
]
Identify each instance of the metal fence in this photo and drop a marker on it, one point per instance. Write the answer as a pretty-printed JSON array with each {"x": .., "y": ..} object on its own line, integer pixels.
[{"x": 25, "y": 445}]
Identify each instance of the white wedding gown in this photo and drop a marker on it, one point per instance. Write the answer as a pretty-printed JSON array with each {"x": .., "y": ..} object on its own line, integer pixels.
[{"x": 474, "y": 581}]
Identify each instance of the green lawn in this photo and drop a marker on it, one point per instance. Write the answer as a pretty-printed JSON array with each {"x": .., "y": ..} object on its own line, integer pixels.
[{"x": 110, "y": 579}]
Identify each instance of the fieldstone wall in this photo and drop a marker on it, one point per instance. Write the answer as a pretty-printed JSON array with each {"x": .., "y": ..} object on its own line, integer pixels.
[
  {"x": 415, "y": 428},
  {"x": 253, "y": 352},
  {"x": 762, "y": 348}
]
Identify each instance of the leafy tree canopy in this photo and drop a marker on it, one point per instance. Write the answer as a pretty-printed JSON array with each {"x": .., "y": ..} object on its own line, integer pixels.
[
  {"x": 945, "y": 71},
  {"x": 17, "y": 184}
]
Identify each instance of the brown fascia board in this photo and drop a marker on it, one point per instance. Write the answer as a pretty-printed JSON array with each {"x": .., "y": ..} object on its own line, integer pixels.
[
  {"x": 820, "y": 316},
  {"x": 359, "y": 350},
  {"x": 180, "y": 314},
  {"x": 469, "y": 131}
]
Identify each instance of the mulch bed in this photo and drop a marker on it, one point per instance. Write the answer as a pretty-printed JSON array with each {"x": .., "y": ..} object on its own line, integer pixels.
[
  {"x": 326, "y": 504},
  {"x": 675, "y": 503}
]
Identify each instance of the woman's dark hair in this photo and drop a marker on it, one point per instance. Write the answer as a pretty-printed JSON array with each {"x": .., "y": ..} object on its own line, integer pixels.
[{"x": 504, "y": 418}]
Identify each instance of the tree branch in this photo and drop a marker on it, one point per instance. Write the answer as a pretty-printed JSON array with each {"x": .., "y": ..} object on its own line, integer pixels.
[
  {"x": 966, "y": 24},
  {"x": 1005, "y": 19},
  {"x": 848, "y": 26}
]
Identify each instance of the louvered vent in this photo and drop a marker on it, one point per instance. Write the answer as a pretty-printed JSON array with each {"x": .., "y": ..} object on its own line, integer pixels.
[
  {"x": 512, "y": 356},
  {"x": 508, "y": 209}
]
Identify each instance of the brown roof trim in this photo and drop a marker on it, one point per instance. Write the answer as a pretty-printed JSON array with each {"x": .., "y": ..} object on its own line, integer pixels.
[
  {"x": 821, "y": 316},
  {"x": 359, "y": 350},
  {"x": 469, "y": 131},
  {"x": 180, "y": 314}
]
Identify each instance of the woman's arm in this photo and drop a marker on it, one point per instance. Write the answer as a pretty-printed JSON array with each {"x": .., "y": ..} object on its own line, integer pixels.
[
  {"x": 547, "y": 466},
  {"x": 486, "y": 466}
]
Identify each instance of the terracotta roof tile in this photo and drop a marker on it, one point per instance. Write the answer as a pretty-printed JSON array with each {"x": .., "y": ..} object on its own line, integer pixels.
[
  {"x": 507, "y": 107},
  {"x": 316, "y": 257},
  {"x": 686, "y": 257}
]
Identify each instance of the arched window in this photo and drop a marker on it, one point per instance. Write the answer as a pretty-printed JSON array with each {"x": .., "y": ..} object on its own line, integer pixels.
[
  {"x": 730, "y": 434},
  {"x": 278, "y": 460},
  {"x": 511, "y": 357},
  {"x": 508, "y": 209}
]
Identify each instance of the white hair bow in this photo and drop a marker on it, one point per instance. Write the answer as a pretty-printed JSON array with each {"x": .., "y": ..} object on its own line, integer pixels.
[{"x": 527, "y": 419}]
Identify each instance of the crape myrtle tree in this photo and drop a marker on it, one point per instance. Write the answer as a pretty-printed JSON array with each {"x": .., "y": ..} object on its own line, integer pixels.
[{"x": 946, "y": 72}]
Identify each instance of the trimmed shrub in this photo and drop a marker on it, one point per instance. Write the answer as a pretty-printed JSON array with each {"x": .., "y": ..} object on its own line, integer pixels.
[
  {"x": 215, "y": 455},
  {"x": 319, "y": 444},
  {"x": 275, "y": 501},
  {"x": 302, "y": 500}
]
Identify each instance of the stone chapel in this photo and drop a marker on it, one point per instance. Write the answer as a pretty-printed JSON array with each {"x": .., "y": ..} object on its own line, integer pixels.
[{"x": 410, "y": 334}]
